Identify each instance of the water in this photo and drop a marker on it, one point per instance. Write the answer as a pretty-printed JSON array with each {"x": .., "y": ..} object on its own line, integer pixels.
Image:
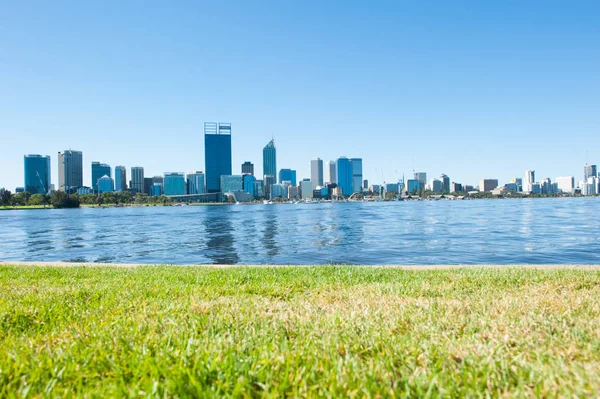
[{"x": 533, "y": 231}]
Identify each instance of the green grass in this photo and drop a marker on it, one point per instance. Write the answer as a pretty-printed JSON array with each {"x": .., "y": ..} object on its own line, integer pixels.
[{"x": 319, "y": 332}]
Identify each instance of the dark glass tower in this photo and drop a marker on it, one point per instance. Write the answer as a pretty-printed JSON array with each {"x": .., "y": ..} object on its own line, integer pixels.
[
  {"x": 270, "y": 160},
  {"x": 99, "y": 170},
  {"x": 217, "y": 154},
  {"x": 37, "y": 174}
]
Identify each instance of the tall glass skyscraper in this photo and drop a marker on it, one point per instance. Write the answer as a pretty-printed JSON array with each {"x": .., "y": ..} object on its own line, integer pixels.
[
  {"x": 249, "y": 182},
  {"x": 357, "y": 174},
  {"x": 217, "y": 154},
  {"x": 99, "y": 170},
  {"x": 270, "y": 160},
  {"x": 287, "y": 175},
  {"x": 248, "y": 168},
  {"x": 37, "y": 174},
  {"x": 344, "y": 175},
  {"x": 195, "y": 182},
  {"x": 120, "y": 178},
  {"x": 316, "y": 173},
  {"x": 70, "y": 170},
  {"x": 137, "y": 179},
  {"x": 174, "y": 184}
]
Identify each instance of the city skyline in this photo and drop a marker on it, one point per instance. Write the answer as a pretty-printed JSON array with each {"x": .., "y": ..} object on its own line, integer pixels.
[{"x": 404, "y": 86}]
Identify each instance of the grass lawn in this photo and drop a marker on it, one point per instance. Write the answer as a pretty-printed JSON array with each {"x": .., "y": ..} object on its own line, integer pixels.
[{"x": 319, "y": 331}]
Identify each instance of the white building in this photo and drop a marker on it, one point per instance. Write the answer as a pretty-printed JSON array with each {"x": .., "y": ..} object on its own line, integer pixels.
[
  {"x": 565, "y": 184},
  {"x": 331, "y": 172},
  {"x": 528, "y": 181},
  {"x": 316, "y": 172}
]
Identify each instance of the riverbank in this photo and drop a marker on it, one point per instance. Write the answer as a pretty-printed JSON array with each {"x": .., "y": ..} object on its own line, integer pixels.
[{"x": 299, "y": 331}]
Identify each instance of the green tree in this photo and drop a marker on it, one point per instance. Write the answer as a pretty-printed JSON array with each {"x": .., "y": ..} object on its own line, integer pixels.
[
  {"x": 37, "y": 199},
  {"x": 60, "y": 199},
  {"x": 5, "y": 198},
  {"x": 20, "y": 199}
]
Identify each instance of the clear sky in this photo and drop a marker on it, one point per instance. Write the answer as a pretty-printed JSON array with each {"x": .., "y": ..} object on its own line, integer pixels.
[{"x": 473, "y": 89}]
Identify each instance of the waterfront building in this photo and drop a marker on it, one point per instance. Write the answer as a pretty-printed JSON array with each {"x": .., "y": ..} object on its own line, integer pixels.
[
  {"x": 565, "y": 184},
  {"x": 436, "y": 185},
  {"x": 248, "y": 168},
  {"x": 518, "y": 182},
  {"x": 316, "y": 172},
  {"x": 528, "y": 181},
  {"x": 137, "y": 179},
  {"x": 455, "y": 187},
  {"x": 249, "y": 184},
  {"x": 259, "y": 188},
  {"x": 413, "y": 186},
  {"x": 277, "y": 191},
  {"x": 37, "y": 174},
  {"x": 156, "y": 190},
  {"x": 105, "y": 184},
  {"x": 488, "y": 184},
  {"x": 337, "y": 192},
  {"x": 269, "y": 180},
  {"x": 306, "y": 188},
  {"x": 217, "y": 154},
  {"x": 148, "y": 185},
  {"x": 174, "y": 183},
  {"x": 195, "y": 182},
  {"x": 99, "y": 170},
  {"x": 344, "y": 175},
  {"x": 512, "y": 187},
  {"x": 536, "y": 188},
  {"x": 70, "y": 170},
  {"x": 231, "y": 183},
  {"x": 357, "y": 174},
  {"x": 19, "y": 190},
  {"x": 392, "y": 187},
  {"x": 375, "y": 188},
  {"x": 365, "y": 185},
  {"x": 331, "y": 172},
  {"x": 422, "y": 177},
  {"x": 589, "y": 171},
  {"x": 270, "y": 161},
  {"x": 467, "y": 188},
  {"x": 546, "y": 186},
  {"x": 288, "y": 175},
  {"x": 292, "y": 193},
  {"x": 445, "y": 183},
  {"x": 85, "y": 190},
  {"x": 120, "y": 178}
]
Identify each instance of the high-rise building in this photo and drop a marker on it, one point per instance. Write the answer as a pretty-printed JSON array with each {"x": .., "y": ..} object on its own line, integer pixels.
[
  {"x": 528, "y": 181},
  {"x": 488, "y": 184},
  {"x": 357, "y": 174},
  {"x": 195, "y": 182},
  {"x": 292, "y": 193},
  {"x": 259, "y": 189},
  {"x": 436, "y": 185},
  {"x": 137, "y": 179},
  {"x": 156, "y": 190},
  {"x": 249, "y": 184},
  {"x": 37, "y": 174},
  {"x": 120, "y": 178},
  {"x": 99, "y": 170},
  {"x": 270, "y": 161},
  {"x": 231, "y": 183},
  {"x": 331, "y": 172},
  {"x": 422, "y": 177},
  {"x": 268, "y": 180},
  {"x": 105, "y": 184},
  {"x": 174, "y": 183},
  {"x": 455, "y": 187},
  {"x": 316, "y": 172},
  {"x": 589, "y": 171},
  {"x": 566, "y": 184},
  {"x": 248, "y": 168},
  {"x": 518, "y": 182},
  {"x": 148, "y": 185},
  {"x": 287, "y": 175},
  {"x": 217, "y": 154},
  {"x": 70, "y": 170},
  {"x": 445, "y": 183},
  {"x": 365, "y": 184},
  {"x": 306, "y": 190},
  {"x": 413, "y": 186},
  {"x": 344, "y": 175}
]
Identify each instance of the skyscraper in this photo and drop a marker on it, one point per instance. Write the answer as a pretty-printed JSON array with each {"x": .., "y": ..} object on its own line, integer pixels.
[
  {"x": 528, "y": 181},
  {"x": 589, "y": 171},
  {"x": 316, "y": 173},
  {"x": 137, "y": 179},
  {"x": 37, "y": 174},
  {"x": 217, "y": 154},
  {"x": 422, "y": 177},
  {"x": 248, "y": 168},
  {"x": 270, "y": 161},
  {"x": 488, "y": 184},
  {"x": 195, "y": 182},
  {"x": 174, "y": 183},
  {"x": 357, "y": 174},
  {"x": 70, "y": 170},
  {"x": 99, "y": 170},
  {"x": 344, "y": 175},
  {"x": 331, "y": 172},
  {"x": 120, "y": 178},
  {"x": 268, "y": 181},
  {"x": 287, "y": 175}
]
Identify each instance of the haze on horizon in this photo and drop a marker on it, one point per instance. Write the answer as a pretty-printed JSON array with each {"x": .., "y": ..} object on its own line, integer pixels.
[{"x": 470, "y": 89}]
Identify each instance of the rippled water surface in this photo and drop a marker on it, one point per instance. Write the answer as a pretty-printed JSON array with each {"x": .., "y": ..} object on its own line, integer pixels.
[{"x": 557, "y": 231}]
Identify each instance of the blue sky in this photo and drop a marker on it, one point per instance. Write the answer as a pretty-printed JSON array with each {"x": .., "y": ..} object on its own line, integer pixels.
[{"x": 473, "y": 89}]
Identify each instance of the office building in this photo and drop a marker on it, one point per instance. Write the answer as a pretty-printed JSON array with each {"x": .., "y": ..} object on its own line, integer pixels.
[
  {"x": 105, "y": 184},
  {"x": 195, "y": 182},
  {"x": 488, "y": 184},
  {"x": 84, "y": 191},
  {"x": 217, "y": 154},
  {"x": 536, "y": 188},
  {"x": 99, "y": 170},
  {"x": 292, "y": 193},
  {"x": 174, "y": 183},
  {"x": 248, "y": 168},
  {"x": 422, "y": 177},
  {"x": 436, "y": 185},
  {"x": 566, "y": 184},
  {"x": 357, "y": 174},
  {"x": 70, "y": 170},
  {"x": 278, "y": 191},
  {"x": 231, "y": 183},
  {"x": 120, "y": 178},
  {"x": 249, "y": 184},
  {"x": 546, "y": 186},
  {"x": 270, "y": 161},
  {"x": 137, "y": 179},
  {"x": 365, "y": 185},
  {"x": 392, "y": 188},
  {"x": 528, "y": 181},
  {"x": 445, "y": 183},
  {"x": 518, "y": 182},
  {"x": 268, "y": 180},
  {"x": 344, "y": 175},
  {"x": 413, "y": 186},
  {"x": 259, "y": 188},
  {"x": 316, "y": 172},
  {"x": 375, "y": 189},
  {"x": 306, "y": 189},
  {"x": 287, "y": 175},
  {"x": 331, "y": 172},
  {"x": 147, "y": 185},
  {"x": 589, "y": 171},
  {"x": 455, "y": 187},
  {"x": 156, "y": 190},
  {"x": 37, "y": 174}
]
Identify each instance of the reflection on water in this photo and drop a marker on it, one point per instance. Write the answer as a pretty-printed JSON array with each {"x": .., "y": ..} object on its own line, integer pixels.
[{"x": 437, "y": 232}]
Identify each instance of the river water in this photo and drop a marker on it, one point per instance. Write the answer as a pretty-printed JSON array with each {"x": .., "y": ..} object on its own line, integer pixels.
[{"x": 528, "y": 231}]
